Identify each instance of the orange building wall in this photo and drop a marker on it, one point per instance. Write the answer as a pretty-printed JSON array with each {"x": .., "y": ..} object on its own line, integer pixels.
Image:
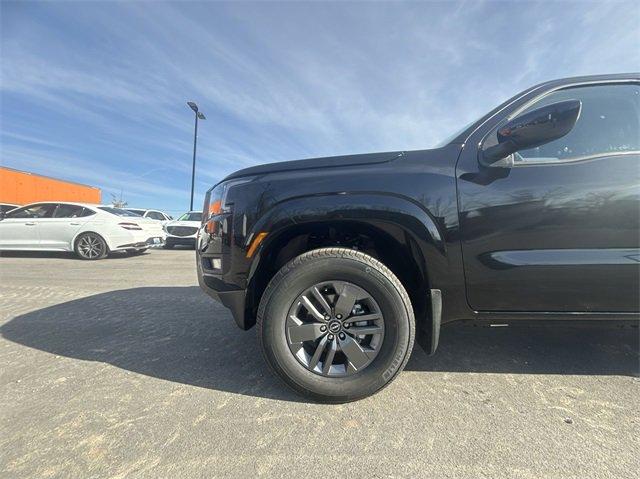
[{"x": 21, "y": 188}]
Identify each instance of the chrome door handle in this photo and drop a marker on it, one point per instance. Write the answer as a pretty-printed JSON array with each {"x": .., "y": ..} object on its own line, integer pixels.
[
  {"x": 30, "y": 224},
  {"x": 74, "y": 224}
]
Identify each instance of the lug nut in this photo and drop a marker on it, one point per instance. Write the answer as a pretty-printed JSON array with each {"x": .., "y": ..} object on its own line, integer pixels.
[
  {"x": 347, "y": 326},
  {"x": 327, "y": 317},
  {"x": 323, "y": 328},
  {"x": 342, "y": 336},
  {"x": 339, "y": 316},
  {"x": 331, "y": 337}
]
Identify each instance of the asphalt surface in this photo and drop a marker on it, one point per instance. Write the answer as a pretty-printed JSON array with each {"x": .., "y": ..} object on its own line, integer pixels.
[{"x": 124, "y": 368}]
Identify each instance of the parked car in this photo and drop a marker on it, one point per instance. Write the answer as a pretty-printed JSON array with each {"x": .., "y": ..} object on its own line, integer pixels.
[
  {"x": 151, "y": 214},
  {"x": 183, "y": 231},
  {"x": 4, "y": 207},
  {"x": 530, "y": 212},
  {"x": 91, "y": 231}
]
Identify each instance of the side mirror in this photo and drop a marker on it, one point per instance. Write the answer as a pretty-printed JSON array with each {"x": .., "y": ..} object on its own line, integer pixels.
[{"x": 532, "y": 129}]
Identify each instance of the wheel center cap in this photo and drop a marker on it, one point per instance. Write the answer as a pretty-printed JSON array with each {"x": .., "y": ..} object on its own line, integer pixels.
[{"x": 335, "y": 326}]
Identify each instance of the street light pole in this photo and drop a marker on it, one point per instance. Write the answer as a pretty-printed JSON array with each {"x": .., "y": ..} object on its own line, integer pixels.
[{"x": 198, "y": 115}]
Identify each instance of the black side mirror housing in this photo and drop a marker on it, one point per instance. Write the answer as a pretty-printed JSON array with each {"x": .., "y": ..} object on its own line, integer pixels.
[{"x": 532, "y": 129}]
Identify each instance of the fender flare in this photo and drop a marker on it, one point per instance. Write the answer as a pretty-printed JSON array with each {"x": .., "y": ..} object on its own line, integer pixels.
[{"x": 370, "y": 208}]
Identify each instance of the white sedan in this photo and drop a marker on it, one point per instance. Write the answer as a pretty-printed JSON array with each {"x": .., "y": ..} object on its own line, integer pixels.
[{"x": 92, "y": 231}]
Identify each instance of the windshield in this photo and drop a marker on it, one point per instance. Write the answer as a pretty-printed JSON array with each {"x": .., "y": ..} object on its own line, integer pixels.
[
  {"x": 452, "y": 137},
  {"x": 118, "y": 211},
  {"x": 135, "y": 212},
  {"x": 191, "y": 217}
]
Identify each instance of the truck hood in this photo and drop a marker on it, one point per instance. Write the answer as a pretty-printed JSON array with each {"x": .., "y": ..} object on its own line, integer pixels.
[{"x": 312, "y": 163}]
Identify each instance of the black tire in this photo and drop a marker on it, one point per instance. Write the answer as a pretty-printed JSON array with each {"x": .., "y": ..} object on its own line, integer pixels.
[
  {"x": 97, "y": 250},
  {"x": 340, "y": 265}
]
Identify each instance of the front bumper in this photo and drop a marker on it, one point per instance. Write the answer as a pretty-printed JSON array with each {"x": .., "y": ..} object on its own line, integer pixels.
[
  {"x": 233, "y": 299},
  {"x": 180, "y": 240}
]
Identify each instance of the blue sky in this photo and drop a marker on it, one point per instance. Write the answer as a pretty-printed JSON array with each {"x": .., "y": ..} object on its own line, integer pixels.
[{"x": 96, "y": 92}]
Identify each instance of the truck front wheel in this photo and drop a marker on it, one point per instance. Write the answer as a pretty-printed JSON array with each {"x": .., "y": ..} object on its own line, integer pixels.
[{"x": 336, "y": 325}]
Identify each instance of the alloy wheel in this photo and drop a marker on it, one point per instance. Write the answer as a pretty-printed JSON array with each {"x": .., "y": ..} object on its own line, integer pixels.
[
  {"x": 335, "y": 328},
  {"x": 90, "y": 247}
]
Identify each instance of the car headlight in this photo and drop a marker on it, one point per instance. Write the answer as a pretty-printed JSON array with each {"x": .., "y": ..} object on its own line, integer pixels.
[{"x": 216, "y": 199}]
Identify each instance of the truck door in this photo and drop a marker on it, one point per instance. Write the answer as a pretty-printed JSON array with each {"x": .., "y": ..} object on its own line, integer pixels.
[{"x": 558, "y": 230}]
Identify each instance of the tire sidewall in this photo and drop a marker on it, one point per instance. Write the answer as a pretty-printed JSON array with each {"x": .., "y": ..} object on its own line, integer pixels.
[{"x": 397, "y": 327}]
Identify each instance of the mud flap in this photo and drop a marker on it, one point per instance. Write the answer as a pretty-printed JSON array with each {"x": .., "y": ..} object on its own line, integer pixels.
[
  {"x": 436, "y": 318},
  {"x": 429, "y": 330}
]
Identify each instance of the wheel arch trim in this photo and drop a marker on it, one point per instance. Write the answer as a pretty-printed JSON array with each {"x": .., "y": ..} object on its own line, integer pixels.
[{"x": 373, "y": 209}]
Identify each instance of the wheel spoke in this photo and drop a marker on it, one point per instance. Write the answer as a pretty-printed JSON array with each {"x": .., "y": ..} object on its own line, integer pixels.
[
  {"x": 313, "y": 362},
  {"x": 299, "y": 333},
  {"x": 346, "y": 300},
  {"x": 322, "y": 332},
  {"x": 362, "y": 330},
  {"x": 355, "y": 354},
  {"x": 321, "y": 299},
  {"x": 328, "y": 360},
  {"x": 363, "y": 317},
  {"x": 312, "y": 309},
  {"x": 90, "y": 247}
]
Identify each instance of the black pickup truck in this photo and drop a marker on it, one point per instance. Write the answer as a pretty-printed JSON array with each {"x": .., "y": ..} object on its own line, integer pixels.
[{"x": 531, "y": 212}]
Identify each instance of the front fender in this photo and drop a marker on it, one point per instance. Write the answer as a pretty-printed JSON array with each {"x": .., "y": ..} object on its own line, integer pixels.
[{"x": 381, "y": 211}]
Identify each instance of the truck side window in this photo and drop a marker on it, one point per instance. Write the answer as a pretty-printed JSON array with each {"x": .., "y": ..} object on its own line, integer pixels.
[{"x": 609, "y": 123}]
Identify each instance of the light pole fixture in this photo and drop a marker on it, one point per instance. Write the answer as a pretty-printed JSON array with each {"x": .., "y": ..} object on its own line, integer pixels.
[{"x": 199, "y": 115}]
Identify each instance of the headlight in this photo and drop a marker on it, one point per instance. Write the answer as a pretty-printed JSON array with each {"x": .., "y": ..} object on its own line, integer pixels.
[
  {"x": 216, "y": 199},
  {"x": 216, "y": 203}
]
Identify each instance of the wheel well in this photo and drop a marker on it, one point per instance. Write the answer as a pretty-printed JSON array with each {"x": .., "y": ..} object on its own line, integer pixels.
[{"x": 388, "y": 243}]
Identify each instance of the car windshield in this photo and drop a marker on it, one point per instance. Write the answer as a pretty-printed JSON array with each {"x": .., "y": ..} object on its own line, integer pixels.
[
  {"x": 191, "y": 217},
  {"x": 135, "y": 212},
  {"x": 118, "y": 211}
]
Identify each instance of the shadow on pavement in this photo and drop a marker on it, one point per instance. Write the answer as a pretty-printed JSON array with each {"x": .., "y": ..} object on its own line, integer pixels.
[
  {"x": 174, "y": 333},
  {"x": 36, "y": 254},
  {"x": 592, "y": 349},
  {"x": 179, "y": 334},
  {"x": 61, "y": 255}
]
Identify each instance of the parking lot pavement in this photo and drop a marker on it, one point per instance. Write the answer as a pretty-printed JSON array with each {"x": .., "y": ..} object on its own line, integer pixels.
[{"x": 124, "y": 368}]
